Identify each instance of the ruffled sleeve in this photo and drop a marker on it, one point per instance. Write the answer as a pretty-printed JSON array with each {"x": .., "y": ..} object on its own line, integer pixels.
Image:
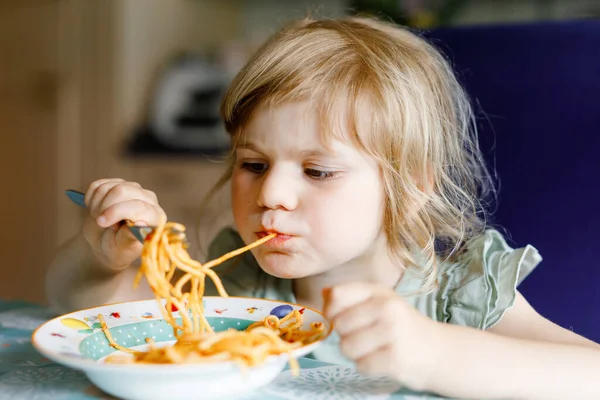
[{"x": 477, "y": 290}]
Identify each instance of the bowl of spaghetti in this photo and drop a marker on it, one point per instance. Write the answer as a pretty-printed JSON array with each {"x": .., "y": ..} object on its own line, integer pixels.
[
  {"x": 77, "y": 340},
  {"x": 182, "y": 344}
]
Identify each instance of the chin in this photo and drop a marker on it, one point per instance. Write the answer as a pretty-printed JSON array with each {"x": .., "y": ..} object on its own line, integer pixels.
[{"x": 281, "y": 265}]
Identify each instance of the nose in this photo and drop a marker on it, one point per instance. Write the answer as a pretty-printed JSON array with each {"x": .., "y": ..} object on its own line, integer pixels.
[{"x": 278, "y": 190}]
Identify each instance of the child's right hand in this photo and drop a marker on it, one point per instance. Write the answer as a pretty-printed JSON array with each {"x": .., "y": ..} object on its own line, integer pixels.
[{"x": 111, "y": 201}]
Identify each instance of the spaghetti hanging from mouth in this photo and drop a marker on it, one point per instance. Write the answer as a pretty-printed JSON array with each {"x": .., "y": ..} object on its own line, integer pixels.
[{"x": 164, "y": 253}]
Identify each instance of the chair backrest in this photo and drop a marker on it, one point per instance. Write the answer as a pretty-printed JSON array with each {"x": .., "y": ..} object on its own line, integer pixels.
[{"x": 536, "y": 89}]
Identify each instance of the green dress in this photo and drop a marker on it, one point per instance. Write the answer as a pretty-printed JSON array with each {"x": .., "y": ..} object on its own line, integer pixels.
[{"x": 475, "y": 291}]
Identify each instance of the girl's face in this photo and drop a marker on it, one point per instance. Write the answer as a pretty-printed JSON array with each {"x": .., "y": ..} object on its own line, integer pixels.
[{"x": 326, "y": 203}]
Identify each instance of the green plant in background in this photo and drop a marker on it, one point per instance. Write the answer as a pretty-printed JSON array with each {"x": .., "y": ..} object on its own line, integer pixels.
[{"x": 417, "y": 13}]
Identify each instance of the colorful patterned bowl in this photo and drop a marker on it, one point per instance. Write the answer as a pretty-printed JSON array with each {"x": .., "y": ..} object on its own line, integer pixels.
[{"x": 76, "y": 340}]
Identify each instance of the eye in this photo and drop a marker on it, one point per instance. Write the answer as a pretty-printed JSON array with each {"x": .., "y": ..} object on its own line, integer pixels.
[
  {"x": 255, "y": 167},
  {"x": 319, "y": 174}
]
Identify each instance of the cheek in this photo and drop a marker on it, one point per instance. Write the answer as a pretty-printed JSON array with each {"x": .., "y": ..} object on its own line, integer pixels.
[
  {"x": 354, "y": 214},
  {"x": 241, "y": 195}
]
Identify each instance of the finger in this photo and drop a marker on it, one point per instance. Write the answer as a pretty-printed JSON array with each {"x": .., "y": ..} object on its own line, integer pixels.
[
  {"x": 98, "y": 195},
  {"x": 89, "y": 193},
  {"x": 124, "y": 239},
  {"x": 347, "y": 295},
  {"x": 128, "y": 191},
  {"x": 136, "y": 211},
  {"x": 362, "y": 342},
  {"x": 122, "y": 243},
  {"x": 359, "y": 317},
  {"x": 110, "y": 194},
  {"x": 378, "y": 362}
]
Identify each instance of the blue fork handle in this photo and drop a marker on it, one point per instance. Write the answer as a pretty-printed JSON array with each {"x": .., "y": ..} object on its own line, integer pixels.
[
  {"x": 76, "y": 197},
  {"x": 140, "y": 232}
]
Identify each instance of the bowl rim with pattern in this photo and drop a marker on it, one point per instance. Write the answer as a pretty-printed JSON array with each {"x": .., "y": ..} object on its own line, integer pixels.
[{"x": 76, "y": 340}]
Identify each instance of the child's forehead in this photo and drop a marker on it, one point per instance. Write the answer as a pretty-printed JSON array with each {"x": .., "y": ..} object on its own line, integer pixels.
[{"x": 312, "y": 119}]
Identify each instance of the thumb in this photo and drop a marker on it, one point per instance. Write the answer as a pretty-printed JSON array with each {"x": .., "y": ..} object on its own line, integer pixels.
[
  {"x": 121, "y": 247},
  {"x": 346, "y": 295},
  {"x": 126, "y": 241}
]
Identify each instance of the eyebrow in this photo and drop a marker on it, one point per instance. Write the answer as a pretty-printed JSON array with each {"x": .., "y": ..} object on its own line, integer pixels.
[
  {"x": 246, "y": 146},
  {"x": 304, "y": 153},
  {"x": 317, "y": 153}
]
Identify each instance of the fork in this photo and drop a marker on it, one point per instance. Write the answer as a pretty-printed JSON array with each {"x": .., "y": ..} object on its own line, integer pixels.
[{"x": 140, "y": 232}]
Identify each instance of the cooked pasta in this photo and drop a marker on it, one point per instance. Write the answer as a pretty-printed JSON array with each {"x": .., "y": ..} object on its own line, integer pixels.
[{"x": 163, "y": 254}]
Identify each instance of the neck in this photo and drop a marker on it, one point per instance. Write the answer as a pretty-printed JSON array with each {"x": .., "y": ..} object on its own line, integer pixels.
[{"x": 374, "y": 267}]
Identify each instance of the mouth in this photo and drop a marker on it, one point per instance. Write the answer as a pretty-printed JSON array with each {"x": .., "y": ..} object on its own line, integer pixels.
[{"x": 277, "y": 240}]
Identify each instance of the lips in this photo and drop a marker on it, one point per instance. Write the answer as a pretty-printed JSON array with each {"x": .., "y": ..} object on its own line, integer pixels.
[{"x": 277, "y": 240}]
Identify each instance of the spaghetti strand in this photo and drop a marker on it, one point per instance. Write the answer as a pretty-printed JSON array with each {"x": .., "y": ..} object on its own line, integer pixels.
[{"x": 164, "y": 253}]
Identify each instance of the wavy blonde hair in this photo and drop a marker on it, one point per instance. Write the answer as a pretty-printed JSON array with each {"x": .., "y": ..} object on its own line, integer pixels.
[{"x": 405, "y": 108}]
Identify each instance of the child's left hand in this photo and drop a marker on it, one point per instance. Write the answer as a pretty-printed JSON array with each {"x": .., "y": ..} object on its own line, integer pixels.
[{"x": 382, "y": 333}]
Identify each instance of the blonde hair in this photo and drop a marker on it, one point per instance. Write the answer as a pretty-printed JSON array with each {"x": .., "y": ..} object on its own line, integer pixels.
[{"x": 416, "y": 121}]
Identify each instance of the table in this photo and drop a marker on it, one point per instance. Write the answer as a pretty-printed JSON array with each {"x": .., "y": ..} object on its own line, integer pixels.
[{"x": 26, "y": 374}]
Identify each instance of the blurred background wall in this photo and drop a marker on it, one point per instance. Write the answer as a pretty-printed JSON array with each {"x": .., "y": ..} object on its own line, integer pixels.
[{"x": 130, "y": 88}]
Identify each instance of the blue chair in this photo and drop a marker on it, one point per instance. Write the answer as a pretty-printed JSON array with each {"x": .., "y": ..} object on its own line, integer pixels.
[{"x": 536, "y": 88}]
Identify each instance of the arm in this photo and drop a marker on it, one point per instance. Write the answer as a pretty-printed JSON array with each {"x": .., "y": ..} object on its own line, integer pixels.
[
  {"x": 76, "y": 279},
  {"x": 524, "y": 356},
  {"x": 536, "y": 327}
]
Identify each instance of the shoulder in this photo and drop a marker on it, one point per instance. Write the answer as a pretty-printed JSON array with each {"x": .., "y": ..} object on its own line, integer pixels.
[
  {"x": 489, "y": 255},
  {"x": 480, "y": 285}
]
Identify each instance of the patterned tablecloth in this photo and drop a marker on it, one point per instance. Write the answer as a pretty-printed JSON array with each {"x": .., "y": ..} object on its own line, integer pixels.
[{"x": 26, "y": 374}]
